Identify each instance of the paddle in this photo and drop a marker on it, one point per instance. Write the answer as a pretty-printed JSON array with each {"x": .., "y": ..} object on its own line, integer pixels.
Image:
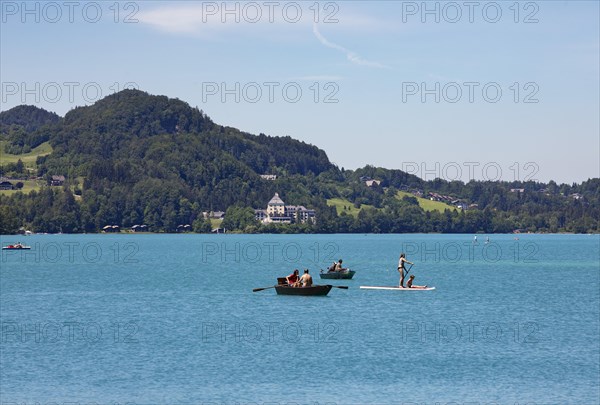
[
  {"x": 343, "y": 287},
  {"x": 407, "y": 271},
  {"x": 260, "y": 289}
]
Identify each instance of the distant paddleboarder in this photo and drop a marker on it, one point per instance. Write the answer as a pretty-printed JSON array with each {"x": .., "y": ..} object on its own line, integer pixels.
[{"x": 401, "y": 268}]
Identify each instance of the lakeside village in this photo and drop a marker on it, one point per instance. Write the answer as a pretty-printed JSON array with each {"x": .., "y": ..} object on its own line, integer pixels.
[{"x": 276, "y": 212}]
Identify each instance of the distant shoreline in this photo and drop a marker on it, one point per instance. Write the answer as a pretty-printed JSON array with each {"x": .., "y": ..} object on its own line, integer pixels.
[{"x": 296, "y": 233}]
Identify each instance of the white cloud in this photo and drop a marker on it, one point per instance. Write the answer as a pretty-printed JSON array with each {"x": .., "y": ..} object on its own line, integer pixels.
[
  {"x": 203, "y": 21},
  {"x": 176, "y": 19},
  {"x": 212, "y": 18}
]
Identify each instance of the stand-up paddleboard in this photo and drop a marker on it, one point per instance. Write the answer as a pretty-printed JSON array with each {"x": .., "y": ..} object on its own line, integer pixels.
[{"x": 370, "y": 287}]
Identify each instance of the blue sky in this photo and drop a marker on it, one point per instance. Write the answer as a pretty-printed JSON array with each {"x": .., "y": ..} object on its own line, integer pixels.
[{"x": 457, "y": 90}]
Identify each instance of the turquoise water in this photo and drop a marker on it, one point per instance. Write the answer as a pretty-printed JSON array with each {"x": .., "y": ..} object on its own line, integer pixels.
[{"x": 173, "y": 319}]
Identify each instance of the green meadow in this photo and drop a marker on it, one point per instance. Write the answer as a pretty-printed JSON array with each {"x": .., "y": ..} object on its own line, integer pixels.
[{"x": 28, "y": 159}]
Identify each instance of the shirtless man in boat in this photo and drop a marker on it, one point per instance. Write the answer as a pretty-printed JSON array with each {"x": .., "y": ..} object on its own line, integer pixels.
[
  {"x": 306, "y": 279},
  {"x": 409, "y": 283}
]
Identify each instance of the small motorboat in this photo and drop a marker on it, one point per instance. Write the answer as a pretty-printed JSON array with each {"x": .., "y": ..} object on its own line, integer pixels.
[
  {"x": 16, "y": 246},
  {"x": 346, "y": 274}
]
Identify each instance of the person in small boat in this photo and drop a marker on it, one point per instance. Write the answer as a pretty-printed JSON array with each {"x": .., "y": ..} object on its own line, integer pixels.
[
  {"x": 401, "y": 268},
  {"x": 338, "y": 266},
  {"x": 306, "y": 279},
  {"x": 293, "y": 279},
  {"x": 331, "y": 268},
  {"x": 409, "y": 283}
]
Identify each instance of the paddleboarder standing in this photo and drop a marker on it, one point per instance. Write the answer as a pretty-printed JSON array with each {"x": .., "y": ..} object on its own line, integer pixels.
[{"x": 401, "y": 268}]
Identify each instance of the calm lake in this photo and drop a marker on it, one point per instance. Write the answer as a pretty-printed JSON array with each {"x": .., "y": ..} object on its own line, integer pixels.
[{"x": 157, "y": 319}]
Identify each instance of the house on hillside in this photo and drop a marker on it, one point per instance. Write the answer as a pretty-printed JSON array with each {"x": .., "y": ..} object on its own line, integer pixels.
[
  {"x": 441, "y": 198},
  {"x": 268, "y": 177},
  {"x": 57, "y": 180},
  {"x": 371, "y": 183}
]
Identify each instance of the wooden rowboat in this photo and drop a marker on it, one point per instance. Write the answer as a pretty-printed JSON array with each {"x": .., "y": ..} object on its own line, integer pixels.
[
  {"x": 337, "y": 275},
  {"x": 283, "y": 288},
  {"x": 306, "y": 291}
]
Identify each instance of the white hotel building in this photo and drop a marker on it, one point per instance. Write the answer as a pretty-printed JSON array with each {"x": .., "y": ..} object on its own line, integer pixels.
[{"x": 278, "y": 212}]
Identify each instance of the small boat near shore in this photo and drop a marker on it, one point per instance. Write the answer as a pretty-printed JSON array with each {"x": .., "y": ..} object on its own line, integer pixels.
[
  {"x": 16, "y": 246},
  {"x": 337, "y": 275}
]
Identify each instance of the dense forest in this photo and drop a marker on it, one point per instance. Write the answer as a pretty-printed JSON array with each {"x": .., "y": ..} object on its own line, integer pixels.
[
  {"x": 133, "y": 158},
  {"x": 25, "y": 127}
]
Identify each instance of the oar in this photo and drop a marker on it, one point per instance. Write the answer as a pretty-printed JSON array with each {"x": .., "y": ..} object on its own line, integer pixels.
[
  {"x": 260, "y": 289},
  {"x": 343, "y": 287},
  {"x": 407, "y": 271}
]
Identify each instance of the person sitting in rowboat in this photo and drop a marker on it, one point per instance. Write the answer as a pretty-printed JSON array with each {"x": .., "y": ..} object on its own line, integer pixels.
[
  {"x": 331, "y": 268},
  {"x": 306, "y": 279},
  {"x": 338, "y": 266},
  {"x": 409, "y": 283},
  {"x": 293, "y": 279}
]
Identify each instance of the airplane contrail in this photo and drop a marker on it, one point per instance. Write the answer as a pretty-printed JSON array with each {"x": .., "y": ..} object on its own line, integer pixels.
[{"x": 350, "y": 55}]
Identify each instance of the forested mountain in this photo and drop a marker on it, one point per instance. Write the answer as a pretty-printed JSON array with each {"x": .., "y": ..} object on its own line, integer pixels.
[
  {"x": 25, "y": 127},
  {"x": 29, "y": 117},
  {"x": 134, "y": 158}
]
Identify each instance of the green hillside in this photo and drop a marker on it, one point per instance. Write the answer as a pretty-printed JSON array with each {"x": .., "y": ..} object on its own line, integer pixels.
[
  {"x": 28, "y": 159},
  {"x": 427, "y": 204},
  {"x": 28, "y": 186},
  {"x": 344, "y": 205},
  {"x": 135, "y": 158}
]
